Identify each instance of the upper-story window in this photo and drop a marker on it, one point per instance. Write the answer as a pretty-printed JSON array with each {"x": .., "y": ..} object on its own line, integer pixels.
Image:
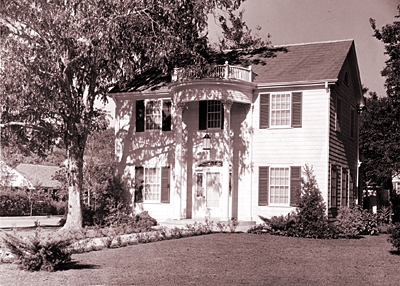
[
  {"x": 211, "y": 114},
  {"x": 279, "y": 110},
  {"x": 153, "y": 114}
]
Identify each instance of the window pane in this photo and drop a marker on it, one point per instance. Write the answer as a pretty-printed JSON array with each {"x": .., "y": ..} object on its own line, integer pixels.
[
  {"x": 279, "y": 186},
  {"x": 214, "y": 114},
  {"x": 280, "y": 109},
  {"x": 153, "y": 184},
  {"x": 153, "y": 114}
]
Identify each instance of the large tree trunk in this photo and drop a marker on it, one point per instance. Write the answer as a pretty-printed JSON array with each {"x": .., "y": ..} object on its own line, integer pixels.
[{"x": 75, "y": 183}]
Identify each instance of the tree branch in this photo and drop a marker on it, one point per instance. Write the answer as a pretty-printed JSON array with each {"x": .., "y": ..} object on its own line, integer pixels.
[{"x": 22, "y": 124}]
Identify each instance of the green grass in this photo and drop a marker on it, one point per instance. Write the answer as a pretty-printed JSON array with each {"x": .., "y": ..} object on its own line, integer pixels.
[{"x": 227, "y": 259}]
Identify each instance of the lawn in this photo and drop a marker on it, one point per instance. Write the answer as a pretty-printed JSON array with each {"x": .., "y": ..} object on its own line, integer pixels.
[{"x": 227, "y": 259}]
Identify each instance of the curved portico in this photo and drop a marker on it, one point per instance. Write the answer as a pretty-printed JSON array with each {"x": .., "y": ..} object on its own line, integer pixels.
[{"x": 185, "y": 95}]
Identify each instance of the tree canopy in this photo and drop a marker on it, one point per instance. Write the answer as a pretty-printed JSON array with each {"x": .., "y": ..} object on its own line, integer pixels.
[
  {"x": 58, "y": 57},
  {"x": 380, "y": 126}
]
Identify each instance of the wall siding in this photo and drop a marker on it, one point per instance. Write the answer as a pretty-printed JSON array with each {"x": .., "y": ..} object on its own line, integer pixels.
[
  {"x": 293, "y": 146},
  {"x": 343, "y": 150}
]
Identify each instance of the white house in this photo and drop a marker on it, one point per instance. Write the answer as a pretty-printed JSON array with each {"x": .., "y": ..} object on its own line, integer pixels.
[{"x": 231, "y": 141}]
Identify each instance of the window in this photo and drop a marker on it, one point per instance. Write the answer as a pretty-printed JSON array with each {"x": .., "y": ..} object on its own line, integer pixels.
[
  {"x": 346, "y": 78},
  {"x": 334, "y": 186},
  {"x": 278, "y": 186},
  {"x": 153, "y": 115},
  {"x": 345, "y": 187},
  {"x": 352, "y": 122},
  {"x": 155, "y": 181},
  {"x": 281, "y": 110},
  {"x": 338, "y": 114},
  {"x": 211, "y": 115}
]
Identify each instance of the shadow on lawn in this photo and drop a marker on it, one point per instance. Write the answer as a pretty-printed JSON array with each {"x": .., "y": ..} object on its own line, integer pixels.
[
  {"x": 395, "y": 252},
  {"x": 75, "y": 265}
]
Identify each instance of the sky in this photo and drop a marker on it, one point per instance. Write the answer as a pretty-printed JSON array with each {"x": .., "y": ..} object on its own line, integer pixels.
[{"x": 306, "y": 21}]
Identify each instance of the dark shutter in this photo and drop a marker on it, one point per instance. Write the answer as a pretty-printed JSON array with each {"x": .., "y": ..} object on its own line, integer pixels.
[
  {"x": 165, "y": 173},
  {"x": 295, "y": 185},
  {"x": 139, "y": 115},
  {"x": 296, "y": 109},
  {"x": 222, "y": 115},
  {"x": 334, "y": 186},
  {"x": 263, "y": 185},
  {"x": 264, "y": 111},
  {"x": 202, "y": 115},
  {"x": 166, "y": 116}
]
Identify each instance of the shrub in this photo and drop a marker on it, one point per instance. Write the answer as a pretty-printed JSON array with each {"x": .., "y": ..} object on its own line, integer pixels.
[
  {"x": 259, "y": 229},
  {"x": 13, "y": 204},
  {"x": 394, "y": 235},
  {"x": 349, "y": 222},
  {"x": 310, "y": 219},
  {"x": 39, "y": 252}
]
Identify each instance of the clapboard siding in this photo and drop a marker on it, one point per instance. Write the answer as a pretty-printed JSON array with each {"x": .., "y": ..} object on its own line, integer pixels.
[
  {"x": 294, "y": 146},
  {"x": 343, "y": 150}
]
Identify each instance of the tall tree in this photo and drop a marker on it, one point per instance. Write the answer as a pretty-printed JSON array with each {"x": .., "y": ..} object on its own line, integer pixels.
[
  {"x": 58, "y": 57},
  {"x": 390, "y": 36},
  {"x": 379, "y": 138}
]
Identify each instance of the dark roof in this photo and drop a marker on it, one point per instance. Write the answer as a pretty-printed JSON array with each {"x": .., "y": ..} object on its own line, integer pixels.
[
  {"x": 39, "y": 175},
  {"x": 280, "y": 64},
  {"x": 303, "y": 62}
]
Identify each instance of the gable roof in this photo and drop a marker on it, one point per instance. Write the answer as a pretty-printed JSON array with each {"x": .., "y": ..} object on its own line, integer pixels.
[
  {"x": 304, "y": 62},
  {"x": 41, "y": 175},
  {"x": 11, "y": 177},
  {"x": 296, "y": 63}
]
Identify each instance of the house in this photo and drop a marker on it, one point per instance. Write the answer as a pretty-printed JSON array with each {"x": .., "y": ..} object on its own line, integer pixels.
[
  {"x": 9, "y": 177},
  {"x": 31, "y": 176},
  {"x": 40, "y": 176},
  {"x": 232, "y": 142}
]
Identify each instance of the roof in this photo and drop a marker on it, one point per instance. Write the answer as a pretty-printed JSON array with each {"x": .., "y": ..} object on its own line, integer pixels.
[
  {"x": 307, "y": 62},
  {"x": 304, "y": 62},
  {"x": 10, "y": 177},
  {"x": 39, "y": 175}
]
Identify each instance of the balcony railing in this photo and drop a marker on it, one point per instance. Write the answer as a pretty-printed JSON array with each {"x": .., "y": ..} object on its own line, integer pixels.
[{"x": 225, "y": 71}]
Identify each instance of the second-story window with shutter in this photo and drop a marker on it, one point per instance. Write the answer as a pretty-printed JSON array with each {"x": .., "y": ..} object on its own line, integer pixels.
[
  {"x": 153, "y": 114},
  {"x": 280, "y": 110},
  {"x": 211, "y": 114}
]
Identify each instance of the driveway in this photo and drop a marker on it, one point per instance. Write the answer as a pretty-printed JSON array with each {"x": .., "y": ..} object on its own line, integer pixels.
[{"x": 28, "y": 221}]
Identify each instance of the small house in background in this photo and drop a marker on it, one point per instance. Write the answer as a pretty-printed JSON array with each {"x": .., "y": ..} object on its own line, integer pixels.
[
  {"x": 230, "y": 141},
  {"x": 9, "y": 177},
  {"x": 33, "y": 176}
]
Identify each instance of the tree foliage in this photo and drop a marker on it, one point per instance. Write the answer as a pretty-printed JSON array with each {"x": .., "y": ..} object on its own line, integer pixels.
[
  {"x": 380, "y": 120},
  {"x": 237, "y": 35},
  {"x": 58, "y": 57},
  {"x": 390, "y": 36}
]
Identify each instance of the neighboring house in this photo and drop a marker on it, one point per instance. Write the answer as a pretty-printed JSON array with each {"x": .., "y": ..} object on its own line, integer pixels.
[
  {"x": 233, "y": 143},
  {"x": 40, "y": 175},
  {"x": 9, "y": 177}
]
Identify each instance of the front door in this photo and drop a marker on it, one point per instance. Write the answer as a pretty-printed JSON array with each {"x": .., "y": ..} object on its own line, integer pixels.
[{"x": 207, "y": 193}]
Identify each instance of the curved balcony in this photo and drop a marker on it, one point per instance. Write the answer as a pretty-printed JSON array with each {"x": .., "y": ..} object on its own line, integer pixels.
[{"x": 225, "y": 71}]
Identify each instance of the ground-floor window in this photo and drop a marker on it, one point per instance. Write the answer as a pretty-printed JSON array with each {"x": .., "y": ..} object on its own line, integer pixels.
[
  {"x": 153, "y": 183},
  {"x": 279, "y": 186}
]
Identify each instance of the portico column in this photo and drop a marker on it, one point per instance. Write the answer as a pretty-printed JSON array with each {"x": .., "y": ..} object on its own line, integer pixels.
[
  {"x": 178, "y": 189},
  {"x": 225, "y": 216}
]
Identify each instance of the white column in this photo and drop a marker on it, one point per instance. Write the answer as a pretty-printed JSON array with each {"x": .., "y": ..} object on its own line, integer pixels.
[
  {"x": 178, "y": 189},
  {"x": 225, "y": 216}
]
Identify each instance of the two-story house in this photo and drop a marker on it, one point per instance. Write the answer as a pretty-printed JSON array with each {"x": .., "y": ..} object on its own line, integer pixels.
[{"x": 232, "y": 143}]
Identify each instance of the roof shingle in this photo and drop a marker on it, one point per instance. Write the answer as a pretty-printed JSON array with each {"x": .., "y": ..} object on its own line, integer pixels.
[
  {"x": 304, "y": 62},
  {"x": 39, "y": 175}
]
